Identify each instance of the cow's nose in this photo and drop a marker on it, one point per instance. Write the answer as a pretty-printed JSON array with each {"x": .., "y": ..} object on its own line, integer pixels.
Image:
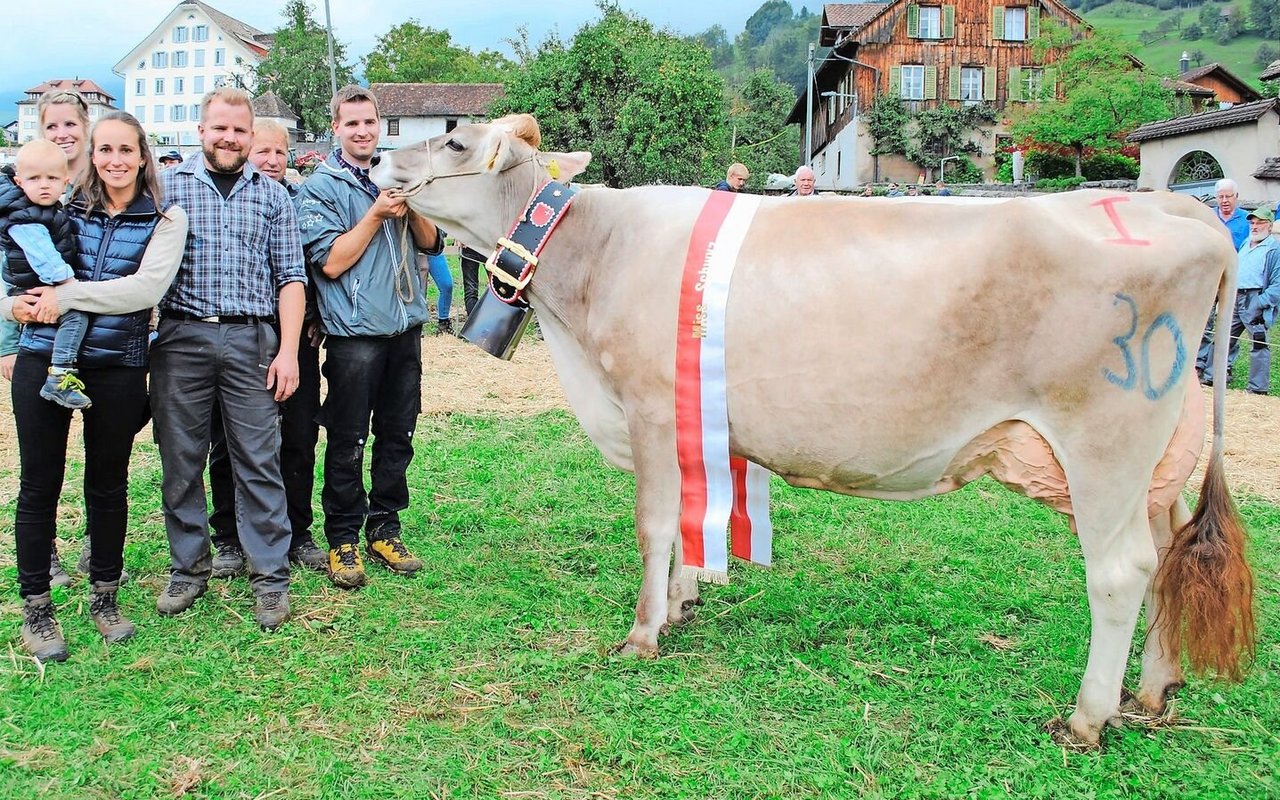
[{"x": 373, "y": 162}]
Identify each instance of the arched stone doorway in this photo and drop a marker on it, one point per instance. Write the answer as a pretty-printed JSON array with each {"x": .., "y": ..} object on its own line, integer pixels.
[{"x": 1195, "y": 174}]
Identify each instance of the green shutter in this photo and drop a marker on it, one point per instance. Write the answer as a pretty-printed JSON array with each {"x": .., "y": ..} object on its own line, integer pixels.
[
  {"x": 1033, "y": 22},
  {"x": 930, "y": 83},
  {"x": 953, "y": 82},
  {"x": 1049, "y": 85},
  {"x": 948, "y": 22},
  {"x": 988, "y": 83},
  {"x": 1015, "y": 84},
  {"x": 997, "y": 23},
  {"x": 895, "y": 80},
  {"x": 913, "y": 21}
]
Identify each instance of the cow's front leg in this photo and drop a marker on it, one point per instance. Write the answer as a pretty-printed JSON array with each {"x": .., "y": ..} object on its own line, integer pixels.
[
  {"x": 682, "y": 592},
  {"x": 657, "y": 520}
]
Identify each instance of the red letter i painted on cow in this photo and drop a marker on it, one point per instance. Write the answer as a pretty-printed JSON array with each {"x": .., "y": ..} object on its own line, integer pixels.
[{"x": 1108, "y": 205}]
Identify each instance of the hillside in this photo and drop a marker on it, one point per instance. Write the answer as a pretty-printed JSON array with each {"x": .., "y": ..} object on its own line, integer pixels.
[{"x": 1131, "y": 20}]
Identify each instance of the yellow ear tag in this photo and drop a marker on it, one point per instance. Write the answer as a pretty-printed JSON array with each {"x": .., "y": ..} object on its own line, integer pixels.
[{"x": 553, "y": 169}]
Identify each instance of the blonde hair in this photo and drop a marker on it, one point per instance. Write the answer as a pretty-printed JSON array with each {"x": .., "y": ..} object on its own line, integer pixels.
[
  {"x": 737, "y": 169},
  {"x": 351, "y": 93},
  {"x": 64, "y": 98},
  {"x": 230, "y": 95},
  {"x": 41, "y": 149},
  {"x": 269, "y": 127}
]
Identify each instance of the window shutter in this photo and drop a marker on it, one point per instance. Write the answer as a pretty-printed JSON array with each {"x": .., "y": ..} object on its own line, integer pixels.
[
  {"x": 997, "y": 23},
  {"x": 895, "y": 79},
  {"x": 1015, "y": 84},
  {"x": 948, "y": 22},
  {"x": 930, "y": 83},
  {"x": 953, "y": 82},
  {"x": 1049, "y": 87},
  {"x": 988, "y": 83},
  {"x": 1033, "y": 22},
  {"x": 913, "y": 21}
]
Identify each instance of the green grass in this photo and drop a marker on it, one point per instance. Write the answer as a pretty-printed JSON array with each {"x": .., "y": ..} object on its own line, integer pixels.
[
  {"x": 1131, "y": 19},
  {"x": 858, "y": 666}
]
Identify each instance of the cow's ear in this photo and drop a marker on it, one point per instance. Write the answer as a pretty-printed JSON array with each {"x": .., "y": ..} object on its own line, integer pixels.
[
  {"x": 497, "y": 151},
  {"x": 564, "y": 166}
]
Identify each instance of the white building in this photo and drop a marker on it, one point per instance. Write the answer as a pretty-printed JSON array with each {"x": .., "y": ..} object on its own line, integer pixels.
[
  {"x": 28, "y": 121},
  {"x": 412, "y": 112},
  {"x": 195, "y": 50}
]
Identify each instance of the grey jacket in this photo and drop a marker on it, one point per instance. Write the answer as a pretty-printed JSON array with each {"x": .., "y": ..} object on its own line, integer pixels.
[{"x": 364, "y": 300}]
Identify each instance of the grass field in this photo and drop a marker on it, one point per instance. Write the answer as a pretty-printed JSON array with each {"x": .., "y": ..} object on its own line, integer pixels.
[
  {"x": 896, "y": 650},
  {"x": 1132, "y": 19}
]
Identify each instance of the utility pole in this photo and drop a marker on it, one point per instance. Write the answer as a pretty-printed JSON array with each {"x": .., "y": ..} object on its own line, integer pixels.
[
  {"x": 808, "y": 113},
  {"x": 333, "y": 70}
]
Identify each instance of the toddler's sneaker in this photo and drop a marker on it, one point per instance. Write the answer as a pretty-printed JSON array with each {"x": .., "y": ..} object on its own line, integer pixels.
[{"x": 65, "y": 388}]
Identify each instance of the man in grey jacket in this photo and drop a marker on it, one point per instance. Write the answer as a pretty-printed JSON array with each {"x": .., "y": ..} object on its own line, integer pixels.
[{"x": 359, "y": 245}]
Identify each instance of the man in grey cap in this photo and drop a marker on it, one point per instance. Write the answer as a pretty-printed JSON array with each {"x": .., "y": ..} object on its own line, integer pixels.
[{"x": 170, "y": 159}]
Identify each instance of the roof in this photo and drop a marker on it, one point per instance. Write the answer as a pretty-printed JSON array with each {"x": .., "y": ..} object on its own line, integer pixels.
[
  {"x": 435, "y": 99},
  {"x": 1236, "y": 115},
  {"x": 257, "y": 42},
  {"x": 270, "y": 105},
  {"x": 1269, "y": 169},
  {"x": 1246, "y": 92},
  {"x": 81, "y": 85},
  {"x": 1182, "y": 87},
  {"x": 846, "y": 15},
  {"x": 1272, "y": 72}
]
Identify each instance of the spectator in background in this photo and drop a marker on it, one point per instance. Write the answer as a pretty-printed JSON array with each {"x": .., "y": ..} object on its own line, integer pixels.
[
  {"x": 940, "y": 190},
  {"x": 170, "y": 159},
  {"x": 437, "y": 266},
  {"x": 735, "y": 179},
  {"x": 893, "y": 191},
  {"x": 1233, "y": 217},
  {"x": 1257, "y": 295},
  {"x": 913, "y": 191},
  {"x": 472, "y": 272},
  {"x": 868, "y": 191},
  {"x": 804, "y": 180}
]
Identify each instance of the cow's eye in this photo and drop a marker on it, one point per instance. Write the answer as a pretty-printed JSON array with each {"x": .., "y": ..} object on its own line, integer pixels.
[{"x": 454, "y": 145}]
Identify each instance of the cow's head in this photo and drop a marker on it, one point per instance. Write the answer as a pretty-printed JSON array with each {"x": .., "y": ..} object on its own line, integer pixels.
[{"x": 475, "y": 179}]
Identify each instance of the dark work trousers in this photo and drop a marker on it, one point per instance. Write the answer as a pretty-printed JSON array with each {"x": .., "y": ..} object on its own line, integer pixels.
[
  {"x": 472, "y": 269},
  {"x": 109, "y": 427},
  {"x": 378, "y": 376},
  {"x": 195, "y": 365},
  {"x": 298, "y": 435},
  {"x": 1260, "y": 351}
]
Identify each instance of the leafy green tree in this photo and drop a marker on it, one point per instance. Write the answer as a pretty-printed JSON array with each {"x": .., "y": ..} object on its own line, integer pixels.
[
  {"x": 1106, "y": 96},
  {"x": 768, "y": 16},
  {"x": 1264, "y": 18},
  {"x": 888, "y": 121},
  {"x": 760, "y": 136},
  {"x": 296, "y": 69},
  {"x": 944, "y": 131},
  {"x": 411, "y": 53},
  {"x": 716, "y": 40},
  {"x": 646, "y": 103}
]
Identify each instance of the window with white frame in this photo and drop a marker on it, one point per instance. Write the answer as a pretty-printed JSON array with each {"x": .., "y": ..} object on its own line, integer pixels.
[
  {"x": 197, "y": 84},
  {"x": 195, "y": 112},
  {"x": 159, "y": 60},
  {"x": 912, "y": 82},
  {"x": 140, "y": 86},
  {"x": 219, "y": 57},
  {"x": 1032, "y": 82},
  {"x": 157, "y": 113},
  {"x": 179, "y": 58},
  {"x": 199, "y": 58},
  {"x": 159, "y": 86},
  {"x": 178, "y": 114},
  {"x": 1015, "y": 24},
  {"x": 971, "y": 84},
  {"x": 180, "y": 34},
  {"x": 178, "y": 85},
  {"x": 930, "y": 22},
  {"x": 140, "y": 114},
  {"x": 200, "y": 33}
]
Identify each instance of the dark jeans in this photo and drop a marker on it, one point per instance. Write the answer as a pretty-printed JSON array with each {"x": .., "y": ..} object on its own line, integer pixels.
[
  {"x": 109, "y": 427},
  {"x": 1259, "y": 351},
  {"x": 298, "y": 435},
  {"x": 195, "y": 365},
  {"x": 472, "y": 268},
  {"x": 379, "y": 377},
  {"x": 72, "y": 327}
]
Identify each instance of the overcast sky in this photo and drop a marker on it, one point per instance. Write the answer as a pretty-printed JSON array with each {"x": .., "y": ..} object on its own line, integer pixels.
[{"x": 85, "y": 38}]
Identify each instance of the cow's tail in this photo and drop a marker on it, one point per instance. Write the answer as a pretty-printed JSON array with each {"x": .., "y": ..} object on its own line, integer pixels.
[{"x": 1204, "y": 583}]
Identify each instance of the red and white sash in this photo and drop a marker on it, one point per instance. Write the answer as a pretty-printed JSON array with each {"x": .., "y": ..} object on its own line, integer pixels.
[{"x": 717, "y": 490}]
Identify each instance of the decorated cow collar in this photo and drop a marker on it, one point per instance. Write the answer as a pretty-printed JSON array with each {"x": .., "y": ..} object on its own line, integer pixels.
[{"x": 512, "y": 264}]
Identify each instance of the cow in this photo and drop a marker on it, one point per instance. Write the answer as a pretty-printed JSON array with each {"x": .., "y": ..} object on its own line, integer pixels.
[{"x": 900, "y": 349}]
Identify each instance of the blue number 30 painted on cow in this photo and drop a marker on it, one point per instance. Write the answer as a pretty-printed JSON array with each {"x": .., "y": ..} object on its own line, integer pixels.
[{"x": 1141, "y": 367}]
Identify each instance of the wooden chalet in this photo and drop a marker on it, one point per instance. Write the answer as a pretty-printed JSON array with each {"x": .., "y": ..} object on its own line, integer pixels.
[{"x": 974, "y": 51}]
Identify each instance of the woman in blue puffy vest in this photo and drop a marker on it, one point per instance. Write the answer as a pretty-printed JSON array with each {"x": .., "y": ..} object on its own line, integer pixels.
[{"x": 127, "y": 253}]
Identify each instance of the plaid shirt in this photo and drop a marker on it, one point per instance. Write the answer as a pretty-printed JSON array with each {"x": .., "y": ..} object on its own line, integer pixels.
[
  {"x": 240, "y": 251},
  {"x": 361, "y": 175}
]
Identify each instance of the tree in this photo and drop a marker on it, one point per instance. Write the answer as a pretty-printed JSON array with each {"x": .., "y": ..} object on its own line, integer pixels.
[
  {"x": 716, "y": 40},
  {"x": 646, "y": 103},
  {"x": 411, "y": 53},
  {"x": 1264, "y": 18},
  {"x": 296, "y": 69},
  {"x": 943, "y": 131},
  {"x": 761, "y": 137},
  {"x": 768, "y": 16},
  {"x": 1106, "y": 96}
]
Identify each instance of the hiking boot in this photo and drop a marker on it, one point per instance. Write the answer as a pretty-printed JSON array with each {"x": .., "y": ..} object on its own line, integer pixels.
[
  {"x": 65, "y": 388},
  {"x": 228, "y": 561},
  {"x": 41, "y": 636},
  {"x": 82, "y": 565},
  {"x": 307, "y": 554},
  {"x": 393, "y": 555},
  {"x": 345, "y": 568},
  {"x": 57, "y": 575},
  {"x": 271, "y": 609},
  {"x": 178, "y": 597},
  {"x": 105, "y": 612},
  {"x": 444, "y": 326}
]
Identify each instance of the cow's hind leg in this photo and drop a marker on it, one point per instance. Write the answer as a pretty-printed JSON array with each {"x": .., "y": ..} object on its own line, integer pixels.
[
  {"x": 683, "y": 597},
  {"x": 1161, "y": 668},
  {"x": 657, "y": 521},
  {"x": 1120, "y": 560}
]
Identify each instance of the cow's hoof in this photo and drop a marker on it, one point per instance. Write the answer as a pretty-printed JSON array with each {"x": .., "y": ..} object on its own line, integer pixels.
[
  {"x": 1068, "y": 739},
  {"x": 630, "y": 649},
  {"x": 685, "y": 612},
  {"x": 1150, "y": 711}
]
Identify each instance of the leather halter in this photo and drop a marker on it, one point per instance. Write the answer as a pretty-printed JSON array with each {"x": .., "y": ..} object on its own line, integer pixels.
[
  {"x": 431, "y": 175},
  {"x": 512, "y": 264}
]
